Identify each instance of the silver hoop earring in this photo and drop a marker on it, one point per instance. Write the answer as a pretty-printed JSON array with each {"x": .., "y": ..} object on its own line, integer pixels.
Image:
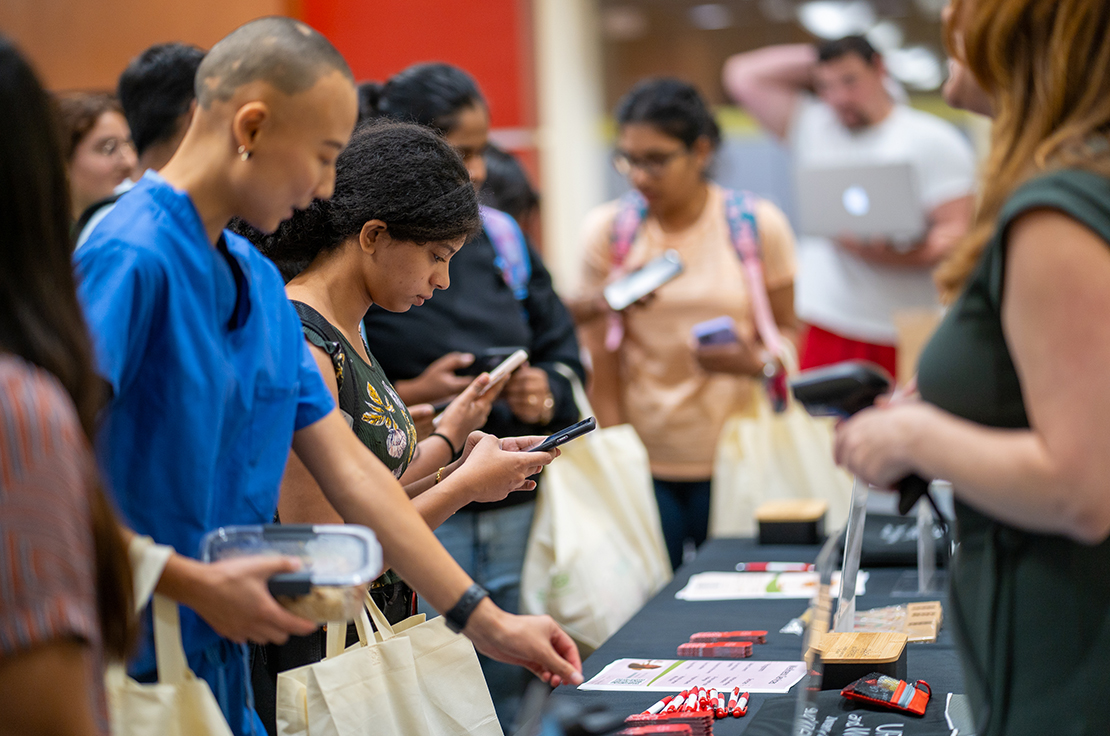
[{"x": 244, "y": 154}]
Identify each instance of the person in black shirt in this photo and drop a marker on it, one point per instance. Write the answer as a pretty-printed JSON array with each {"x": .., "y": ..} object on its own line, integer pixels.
[{"x": 487, "y": 306}]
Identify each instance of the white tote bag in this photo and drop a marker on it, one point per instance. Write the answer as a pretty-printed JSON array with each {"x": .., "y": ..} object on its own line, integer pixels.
[
  {"x": 415, "y": 678},
  {"x": 763, "y": 455},
  {"x": 179, "y": 704},
  {"x": 596, "y": 552}
]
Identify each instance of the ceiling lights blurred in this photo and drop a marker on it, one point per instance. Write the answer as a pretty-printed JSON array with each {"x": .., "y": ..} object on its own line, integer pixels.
[
  {"x": 831, "y": 19},
  {"x": 917, "y": 67}
]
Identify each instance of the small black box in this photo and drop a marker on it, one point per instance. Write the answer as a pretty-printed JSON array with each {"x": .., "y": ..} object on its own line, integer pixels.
[{"x": 798, "y": 521}]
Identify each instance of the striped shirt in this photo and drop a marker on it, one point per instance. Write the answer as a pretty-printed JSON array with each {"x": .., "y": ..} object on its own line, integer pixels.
[{"x": 47, "y": 559}]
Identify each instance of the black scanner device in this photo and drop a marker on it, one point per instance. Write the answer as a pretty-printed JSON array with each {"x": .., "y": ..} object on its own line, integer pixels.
[{"x": 841, "y": 390}]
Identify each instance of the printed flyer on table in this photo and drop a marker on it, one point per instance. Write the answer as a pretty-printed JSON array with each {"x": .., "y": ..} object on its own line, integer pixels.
[{"x": 676, "y": 675}]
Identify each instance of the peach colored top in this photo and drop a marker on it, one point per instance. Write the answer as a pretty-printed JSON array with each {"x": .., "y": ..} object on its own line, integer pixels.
[{"x": 677, "y": 408}]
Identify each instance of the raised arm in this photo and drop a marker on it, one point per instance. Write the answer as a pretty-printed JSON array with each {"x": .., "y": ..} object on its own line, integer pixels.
[{"x": 769, "y": 82}]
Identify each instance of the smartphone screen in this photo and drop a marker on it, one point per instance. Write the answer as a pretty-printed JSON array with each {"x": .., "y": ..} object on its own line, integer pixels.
[
  {"x": 719, "y": 331},
  {"x": 638, "y": 284},
  {"x": 565, "y": 435},
  {"x": 503, "y": 371}
]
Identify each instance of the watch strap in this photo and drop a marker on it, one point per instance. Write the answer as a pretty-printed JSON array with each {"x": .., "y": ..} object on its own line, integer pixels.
[{"x": 457, "y": 617}]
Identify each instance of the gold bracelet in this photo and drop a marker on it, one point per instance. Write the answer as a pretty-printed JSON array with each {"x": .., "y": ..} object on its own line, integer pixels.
[{"x": 439, "y": 475}]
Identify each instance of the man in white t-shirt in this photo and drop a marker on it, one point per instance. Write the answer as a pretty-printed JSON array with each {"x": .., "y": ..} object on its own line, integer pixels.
[{"x": 847, "y": 290}]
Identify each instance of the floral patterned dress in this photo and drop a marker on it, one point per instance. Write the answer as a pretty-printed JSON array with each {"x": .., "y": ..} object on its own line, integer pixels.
[
  {"x": 367, "y": 399},
  {"x": 378, "y": 418}
]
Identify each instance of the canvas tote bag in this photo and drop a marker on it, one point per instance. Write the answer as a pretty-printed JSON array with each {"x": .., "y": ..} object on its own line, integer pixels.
[
  {"x": 596, "y": 552},
  {"x": 179, "y": 704},
  {"x": 765, "y": 455},
  {"x": 414, "y": 678}
]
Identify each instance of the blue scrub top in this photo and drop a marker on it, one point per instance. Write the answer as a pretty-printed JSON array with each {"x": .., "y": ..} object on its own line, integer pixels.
[{"x": 210, "y": 375}]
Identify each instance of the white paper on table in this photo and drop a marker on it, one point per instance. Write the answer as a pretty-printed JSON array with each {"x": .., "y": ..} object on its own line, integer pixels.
[
  {"x": 730, "y": 586},
  {"x": 676, "y": 675}
]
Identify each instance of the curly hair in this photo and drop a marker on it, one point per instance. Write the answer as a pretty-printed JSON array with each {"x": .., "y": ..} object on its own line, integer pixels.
[
  {"x": 400, "y": 173},
  {"x": 673, "y": 106}
]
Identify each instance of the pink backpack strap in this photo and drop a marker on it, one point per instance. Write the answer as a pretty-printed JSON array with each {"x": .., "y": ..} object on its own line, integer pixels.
[
  {"x": 740, "y": 212},
  {"x": 631, "y": 212}
]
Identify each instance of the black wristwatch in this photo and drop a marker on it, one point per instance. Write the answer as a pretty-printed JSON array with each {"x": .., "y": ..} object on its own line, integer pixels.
[{"x": 457, "y": 617}]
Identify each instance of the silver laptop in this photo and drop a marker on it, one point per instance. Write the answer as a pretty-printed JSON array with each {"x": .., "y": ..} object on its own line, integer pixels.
[{"x": 864, "y": 201}]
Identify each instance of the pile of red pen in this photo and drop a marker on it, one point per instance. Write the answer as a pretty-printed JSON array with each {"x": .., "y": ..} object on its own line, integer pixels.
[{"x": 699, "y": 704}]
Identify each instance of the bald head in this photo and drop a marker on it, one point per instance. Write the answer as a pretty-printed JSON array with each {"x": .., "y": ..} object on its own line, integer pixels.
[{"x": 284, "y": 53}]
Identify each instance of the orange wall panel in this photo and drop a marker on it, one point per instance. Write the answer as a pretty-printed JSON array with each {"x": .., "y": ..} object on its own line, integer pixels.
[{"x": 85, "y": 44}]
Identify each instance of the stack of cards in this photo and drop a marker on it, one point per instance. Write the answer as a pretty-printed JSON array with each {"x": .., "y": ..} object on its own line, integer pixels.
[
  {"x": 722, "y": 644},
  {"x": 672, "y": 729},
  {"x": 755, "y": 637},
  {"x": 716, "y": 650},
  {"x": 700, "y": 722}
]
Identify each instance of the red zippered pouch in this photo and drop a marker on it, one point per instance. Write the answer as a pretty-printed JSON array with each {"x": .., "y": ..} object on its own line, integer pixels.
[{"x": 889, "y": 692}]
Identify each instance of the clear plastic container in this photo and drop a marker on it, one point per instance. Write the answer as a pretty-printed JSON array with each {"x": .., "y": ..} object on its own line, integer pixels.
[{"x": 338, "y": 561}]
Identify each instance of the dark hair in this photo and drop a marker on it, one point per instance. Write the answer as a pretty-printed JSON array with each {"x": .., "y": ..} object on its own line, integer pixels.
[
  {"x": 672, "y": 106},
  {"x": 507, "y": 187},
  {"x": 283, "y": 52},
  {"x": 402, "y": 174},
  {"x": 156, "y": 89},
  {"x": 429, "y": 94},
  {"x": 857, "y": 45},
  {"x": 78, "y": 113},
  {"x": 40, "y": 319}
]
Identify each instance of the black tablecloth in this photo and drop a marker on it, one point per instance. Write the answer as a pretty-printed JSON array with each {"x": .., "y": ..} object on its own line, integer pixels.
[{"x": 665, "y": 622}]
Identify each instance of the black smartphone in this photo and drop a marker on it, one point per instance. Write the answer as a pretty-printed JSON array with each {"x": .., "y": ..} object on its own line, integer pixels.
[
  {"x": 565, "y": 435},
  {"x": 441, "y": 406},
  {"x": 486, "y": 360}
]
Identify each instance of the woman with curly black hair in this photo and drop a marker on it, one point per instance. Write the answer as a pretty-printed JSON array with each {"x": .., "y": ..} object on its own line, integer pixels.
[{"x": 403, "y": 206}]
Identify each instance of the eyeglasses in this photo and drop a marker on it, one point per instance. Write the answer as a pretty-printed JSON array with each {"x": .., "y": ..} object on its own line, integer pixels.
[
  {"x": 652, "y": 164},
  {"x": 112, "y": 146}
]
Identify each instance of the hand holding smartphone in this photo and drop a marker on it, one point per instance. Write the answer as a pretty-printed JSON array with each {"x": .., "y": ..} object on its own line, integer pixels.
[
  {"x": 503, "y": 371},
  {"x": 719, "y": 331},
  {"x": 564, "y": 436},
  {"x": 635, "y": 286}
]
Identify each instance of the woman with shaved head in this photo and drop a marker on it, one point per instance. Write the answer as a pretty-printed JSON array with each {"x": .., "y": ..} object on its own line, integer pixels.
[{"x": 212, "y": 380}]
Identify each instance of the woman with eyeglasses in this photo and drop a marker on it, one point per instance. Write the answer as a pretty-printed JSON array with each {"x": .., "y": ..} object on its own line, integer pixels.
[
  {"x": 97, "y": 145},
  {"x": 676, "y": 393}
]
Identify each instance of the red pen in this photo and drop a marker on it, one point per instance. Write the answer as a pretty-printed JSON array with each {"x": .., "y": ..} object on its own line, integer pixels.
[
  {"x": 741, "y": 707},
  {"x": 775, "y": 567},
  {"x": 658, "y": 707},
  {"x": 676, "y": 702},
  {"x": 721, "y": 705},
  {"x": 733, "y": 699}
]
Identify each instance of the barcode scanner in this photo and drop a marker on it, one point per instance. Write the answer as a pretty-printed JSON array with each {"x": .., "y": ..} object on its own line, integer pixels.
[{"x": 841, "y": 390}]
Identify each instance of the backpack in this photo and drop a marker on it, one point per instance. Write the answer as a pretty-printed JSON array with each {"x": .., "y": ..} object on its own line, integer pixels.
[
  {"x": 632, "y": 210},
  {"x": 513, "y": 259}
]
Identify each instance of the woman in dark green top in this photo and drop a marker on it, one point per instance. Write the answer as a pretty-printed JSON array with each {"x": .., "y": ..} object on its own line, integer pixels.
[
  {"x": 403, "y": 205},
  {"x": 1014, "y": 390}
]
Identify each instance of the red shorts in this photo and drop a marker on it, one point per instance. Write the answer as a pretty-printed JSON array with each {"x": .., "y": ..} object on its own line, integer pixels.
[{"x": 821, "y": 347}]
